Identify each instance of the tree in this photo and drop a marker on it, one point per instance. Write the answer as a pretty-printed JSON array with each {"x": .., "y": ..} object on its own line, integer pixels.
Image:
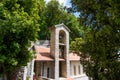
[
  {"x": 53, "y": 14},
  {"x": 18, "y": 27},
  {"x": 101, "y": 21}
]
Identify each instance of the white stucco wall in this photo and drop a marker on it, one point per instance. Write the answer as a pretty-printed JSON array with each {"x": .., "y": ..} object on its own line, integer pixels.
[
  {"x": 82, "y": 75},
  {"x": 29, "y": 70}
]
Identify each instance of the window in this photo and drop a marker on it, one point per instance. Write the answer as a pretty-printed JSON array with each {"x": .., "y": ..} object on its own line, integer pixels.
[
  {"x": 48, "y": 72},
  {"x": 79, "y": 69},
  {"x": 43, "y": 65},
  {"x": 74, "y": 70}
]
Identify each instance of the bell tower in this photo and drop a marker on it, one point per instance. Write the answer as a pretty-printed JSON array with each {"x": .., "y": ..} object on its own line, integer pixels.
[{"x": 59, "y": 48}]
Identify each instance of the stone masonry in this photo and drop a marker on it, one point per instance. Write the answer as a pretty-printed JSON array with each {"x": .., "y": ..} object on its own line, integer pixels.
[{"x": 55, "y": 31}]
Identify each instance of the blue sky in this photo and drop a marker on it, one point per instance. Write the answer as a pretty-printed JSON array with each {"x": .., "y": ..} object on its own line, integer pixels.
[
  {"x": 68, "y": 3},
  {"x": 65, "y": 3}
]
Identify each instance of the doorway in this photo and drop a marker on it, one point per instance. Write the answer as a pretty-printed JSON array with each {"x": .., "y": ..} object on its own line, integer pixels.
[
  {"x": 48, "y": 72},
  {"x": 60, "y": 69}
]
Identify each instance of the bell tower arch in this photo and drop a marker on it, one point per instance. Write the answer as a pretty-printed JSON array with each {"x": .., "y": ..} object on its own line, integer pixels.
[
  {"x": 59, "y": 50},
  {"x": 62, "y": 44}
]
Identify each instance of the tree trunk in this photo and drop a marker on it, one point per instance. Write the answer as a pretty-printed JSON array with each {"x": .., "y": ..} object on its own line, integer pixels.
[
  {"x": 4, "y": 73},
  {"x": 4, "y": 77}
]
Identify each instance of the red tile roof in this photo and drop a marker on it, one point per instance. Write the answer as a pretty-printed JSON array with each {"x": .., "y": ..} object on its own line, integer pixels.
[
  {"x": 74, "y": 57},
  {"x": 43, "y": 54}
]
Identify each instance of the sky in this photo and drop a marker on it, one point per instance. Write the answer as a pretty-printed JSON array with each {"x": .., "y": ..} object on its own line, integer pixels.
[{"x": 64, "y": 2}]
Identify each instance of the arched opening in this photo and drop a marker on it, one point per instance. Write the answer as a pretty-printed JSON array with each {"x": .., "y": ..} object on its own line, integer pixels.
[
  {"x": 79, "y": 71},
  {"x": 62, "y": 37},
  {"x": 74, "y": 70},
  {"x": 62, "y": 53},
  {"x": 48, "y": 72},
  {"x": 62, "y": 43}
]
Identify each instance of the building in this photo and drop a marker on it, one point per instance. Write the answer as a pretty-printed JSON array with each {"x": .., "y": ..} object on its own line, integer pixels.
[{"x": 53, "y": 60}]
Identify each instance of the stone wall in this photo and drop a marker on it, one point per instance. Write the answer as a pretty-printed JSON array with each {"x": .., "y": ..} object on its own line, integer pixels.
[{"x": 55, "y": 31}]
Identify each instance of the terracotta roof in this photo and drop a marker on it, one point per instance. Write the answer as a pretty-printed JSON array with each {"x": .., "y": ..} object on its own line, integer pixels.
[
  {"x": 74, "y": 57},
  {"x": 43, "y": 54}
]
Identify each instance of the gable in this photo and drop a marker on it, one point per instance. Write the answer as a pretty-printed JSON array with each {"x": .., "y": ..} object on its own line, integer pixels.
[{"x": 62, "y": 25}]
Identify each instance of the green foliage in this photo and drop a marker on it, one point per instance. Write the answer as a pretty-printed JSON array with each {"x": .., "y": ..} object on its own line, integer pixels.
[
  {"x": 54, "y": 13},
  {"x": 101, "y": 38},
  {"x": 18, "y": 27},
  {"x": 77, "y": 45},
  {"x": 76, "y": 30}
]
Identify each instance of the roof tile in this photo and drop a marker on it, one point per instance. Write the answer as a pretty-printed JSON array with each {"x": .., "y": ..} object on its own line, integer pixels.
[{"x": 43, "y": 54}]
